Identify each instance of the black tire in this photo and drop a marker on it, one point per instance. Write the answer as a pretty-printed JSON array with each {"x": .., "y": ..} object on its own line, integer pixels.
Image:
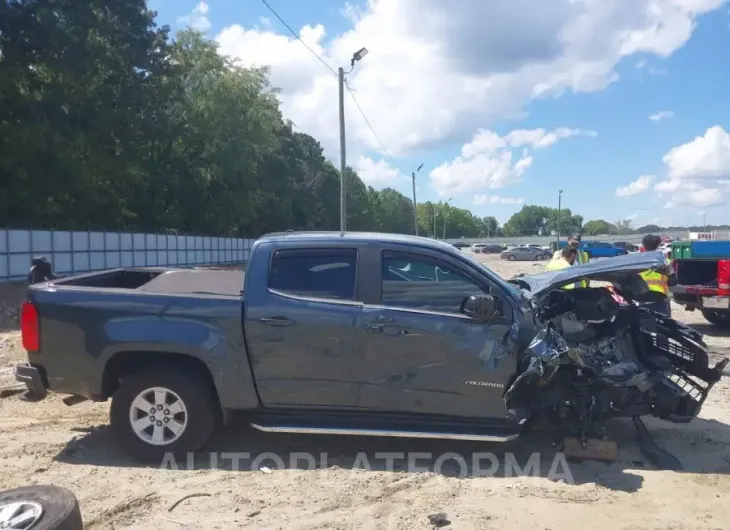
[
  {"x": 202, "y": 413},
  {"x": 539, "y": 257},
  {"x": 60, "y": 507},
  {"x": 511, "y": 257},
  {"x": 719, "y": 318}
]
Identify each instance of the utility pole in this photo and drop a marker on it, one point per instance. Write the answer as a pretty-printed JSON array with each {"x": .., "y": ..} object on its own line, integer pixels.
[
  {"x": 557, "y": 229},
  {"x": 362, "y": 52},
  {"x": 446, "y": 212},
  {"x": 434, "y": 221},
  {"x": 415, "y": 204}
]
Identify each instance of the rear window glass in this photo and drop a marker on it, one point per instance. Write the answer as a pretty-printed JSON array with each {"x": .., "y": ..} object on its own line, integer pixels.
[{"x": 328, "y": 274}]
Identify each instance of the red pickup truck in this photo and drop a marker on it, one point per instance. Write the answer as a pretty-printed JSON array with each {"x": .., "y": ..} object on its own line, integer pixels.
[{"x": 703, "y": 279}]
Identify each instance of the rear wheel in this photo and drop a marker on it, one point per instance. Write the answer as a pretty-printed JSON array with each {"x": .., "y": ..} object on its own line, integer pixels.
[
  {"x": 158, "y": 413},
  {"x": 719, "y": 318}
]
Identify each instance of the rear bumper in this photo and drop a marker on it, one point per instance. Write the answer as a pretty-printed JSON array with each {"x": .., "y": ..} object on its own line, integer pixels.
[
  {"x": 682, "y": 296},
  {"x": 33, "y": 380}
]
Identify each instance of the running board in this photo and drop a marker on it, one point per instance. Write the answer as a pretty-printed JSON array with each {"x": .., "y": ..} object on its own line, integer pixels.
[{"x": 299, "y": 429}]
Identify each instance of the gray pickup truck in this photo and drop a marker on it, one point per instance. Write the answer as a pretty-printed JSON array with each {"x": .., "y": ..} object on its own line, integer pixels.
[{"x": 365, "y": 334}]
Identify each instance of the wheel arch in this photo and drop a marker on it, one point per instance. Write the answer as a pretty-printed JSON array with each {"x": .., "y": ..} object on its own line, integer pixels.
[{"x": 126, "y": 363}]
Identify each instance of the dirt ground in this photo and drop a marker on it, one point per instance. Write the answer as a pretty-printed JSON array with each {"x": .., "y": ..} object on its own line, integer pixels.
[{"x": 354, "y": 488}]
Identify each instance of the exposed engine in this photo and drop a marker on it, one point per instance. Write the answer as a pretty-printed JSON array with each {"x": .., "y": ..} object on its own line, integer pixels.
[{"x": 596, "y": 358}]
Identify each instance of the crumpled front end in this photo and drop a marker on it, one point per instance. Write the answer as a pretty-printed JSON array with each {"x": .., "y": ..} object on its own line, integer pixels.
[{"x": 595, "y": 358}]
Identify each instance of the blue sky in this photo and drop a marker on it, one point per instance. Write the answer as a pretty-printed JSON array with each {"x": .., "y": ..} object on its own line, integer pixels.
[{"x": 687, "y": 82}]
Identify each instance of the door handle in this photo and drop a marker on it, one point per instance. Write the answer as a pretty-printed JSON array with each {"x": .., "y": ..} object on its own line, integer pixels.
[
  {"x": 378, "y": 325},
  {"x": 277, "y": 322}
]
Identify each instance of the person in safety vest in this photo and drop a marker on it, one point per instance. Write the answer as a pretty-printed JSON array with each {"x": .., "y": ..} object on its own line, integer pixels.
[
  {"x": 568, "y": 257},
  {"x": 658, "y": 283},
  {"x": 581, "y": 256}
]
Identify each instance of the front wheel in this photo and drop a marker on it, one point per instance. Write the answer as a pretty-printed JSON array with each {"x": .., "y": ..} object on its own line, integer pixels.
[
  {"x": 719, "y": 318},
  {"x": 159, "y": 413},
  {"x": 511, "y": 257}
]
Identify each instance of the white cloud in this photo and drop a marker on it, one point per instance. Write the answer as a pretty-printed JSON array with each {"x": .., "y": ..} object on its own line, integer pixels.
[
  {"x": 638, "y": 186},
  {"x": 439, "y": 70},
  {"x": 376, "y": 174},
  {"x": 197, "y": 19},
  {"x": 540, "y": 138},
  {"x": 698, "y": 172},
  {"x": 662, "y": 115},
  {"x": 481, "y": 200},
  {"x": 632, "y": 217},
  {"x": 489, "y": 160}
]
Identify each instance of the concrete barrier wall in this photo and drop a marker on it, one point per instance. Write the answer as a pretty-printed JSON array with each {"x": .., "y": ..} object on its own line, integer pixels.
[{"x": 78, "y": 252}]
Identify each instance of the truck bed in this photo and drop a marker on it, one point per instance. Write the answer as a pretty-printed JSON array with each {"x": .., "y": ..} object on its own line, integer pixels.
[{"x": 161, "y": 280}]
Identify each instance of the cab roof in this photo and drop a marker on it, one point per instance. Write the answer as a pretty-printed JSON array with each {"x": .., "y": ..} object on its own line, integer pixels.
[{"x": 336, "y": 237}]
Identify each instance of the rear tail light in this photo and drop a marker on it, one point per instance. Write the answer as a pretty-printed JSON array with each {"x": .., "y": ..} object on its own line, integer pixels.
[
  {"x": 29, "y": 331},
  {"x": 723, "y": 277}
]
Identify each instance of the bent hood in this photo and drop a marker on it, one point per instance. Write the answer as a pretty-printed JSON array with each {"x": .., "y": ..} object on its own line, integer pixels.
[{"x": 621, "y": 271}]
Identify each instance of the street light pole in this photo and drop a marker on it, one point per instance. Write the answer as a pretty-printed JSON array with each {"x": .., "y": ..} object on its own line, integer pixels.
[
  {"x": 434, "y": 221},
  {"x": 358, "y": 55},
  {"x": 557, "y": 230},
  {"x": 415, "y": 204},
  {"x": 446, "y": 212},
  {"x": 343, "y": 153}
]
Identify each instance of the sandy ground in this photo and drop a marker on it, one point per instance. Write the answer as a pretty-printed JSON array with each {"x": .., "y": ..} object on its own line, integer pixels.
[{"x": 354, "y": 488}]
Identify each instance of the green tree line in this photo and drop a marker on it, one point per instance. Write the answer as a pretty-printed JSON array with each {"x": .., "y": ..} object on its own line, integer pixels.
[{"x": 108, "y": 122}]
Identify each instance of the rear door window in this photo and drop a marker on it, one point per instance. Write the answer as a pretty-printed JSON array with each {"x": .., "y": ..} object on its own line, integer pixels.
[{"x": 315, "y": 273}]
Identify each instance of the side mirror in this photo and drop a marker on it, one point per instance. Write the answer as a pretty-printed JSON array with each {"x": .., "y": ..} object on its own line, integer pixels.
[{"x": 482, "y": 307}]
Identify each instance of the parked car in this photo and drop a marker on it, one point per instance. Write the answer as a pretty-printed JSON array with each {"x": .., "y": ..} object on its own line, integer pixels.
[
  {"x": 602, "y": 249},
  {"x": 666, "y": 249},
  {"x": 629, "y": 247},
  {"x": 359, "y": 334},
  {"x": 460, "y": 245},
  {"x": 489, "y": 249},
  {"x": 526, "y": 254}
]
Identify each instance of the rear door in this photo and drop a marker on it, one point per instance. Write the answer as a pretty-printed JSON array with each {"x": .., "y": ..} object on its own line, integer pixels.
[
  {"x": 421, "y": 354},
  {"x": 304, "y": 343}
]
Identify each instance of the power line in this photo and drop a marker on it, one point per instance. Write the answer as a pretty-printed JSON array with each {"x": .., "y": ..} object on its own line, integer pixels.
[
  {"x": 367, "y": 122},
  {"x": 296, "y": 36},
  {"x": 352, "y": 95}
]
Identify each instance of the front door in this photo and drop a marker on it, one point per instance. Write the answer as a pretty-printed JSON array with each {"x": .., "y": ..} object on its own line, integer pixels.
[{"x": 422, "y": 355}]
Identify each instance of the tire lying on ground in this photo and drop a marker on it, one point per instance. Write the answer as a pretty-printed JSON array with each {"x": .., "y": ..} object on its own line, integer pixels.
[{"x": 41, "y": 507}]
